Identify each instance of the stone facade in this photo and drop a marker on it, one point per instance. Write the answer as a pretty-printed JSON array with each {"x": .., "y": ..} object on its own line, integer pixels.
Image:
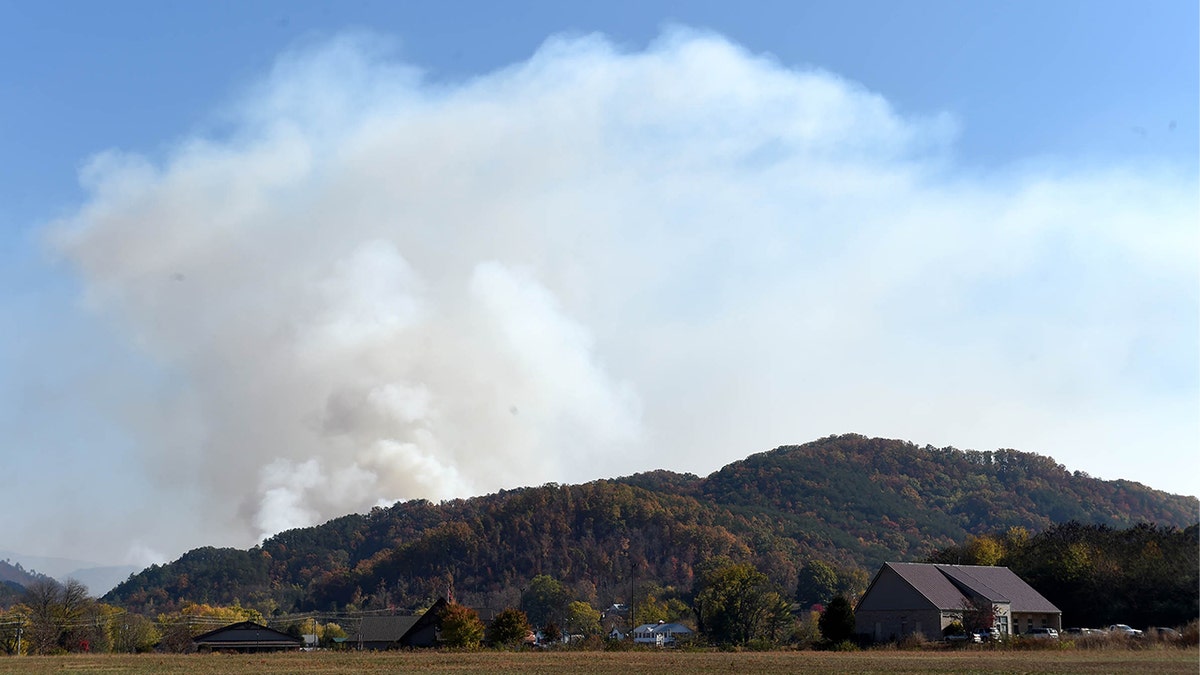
[{"x": 892, "y": 625}]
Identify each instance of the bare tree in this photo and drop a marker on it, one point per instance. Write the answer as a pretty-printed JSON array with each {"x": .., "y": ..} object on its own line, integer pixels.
[
  {"x": 41, "y": 597},
  {"x": 58, "y": 616}
]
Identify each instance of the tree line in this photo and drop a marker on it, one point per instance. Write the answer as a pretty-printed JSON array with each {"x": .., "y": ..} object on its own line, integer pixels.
[
  {"x": 1096, "y": 574},
  {"x": 50, "y": 617}
]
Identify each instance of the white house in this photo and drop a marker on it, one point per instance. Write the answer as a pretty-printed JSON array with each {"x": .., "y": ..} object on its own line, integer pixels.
[{"x": 661, "y": 633}]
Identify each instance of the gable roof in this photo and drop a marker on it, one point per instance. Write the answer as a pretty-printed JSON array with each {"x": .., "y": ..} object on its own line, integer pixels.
[
  {"x": 947, "y": 587},
  {"x": 245, "y": 632},
  {"x": 1000, "y": 584},
  {"x": 929, "y": 582},
  {"x": 432, "y": 618},
  {"x": 398, "y": 628},
  {"x": 384, "y": 628},
  {"x": 661, "y": 627}
]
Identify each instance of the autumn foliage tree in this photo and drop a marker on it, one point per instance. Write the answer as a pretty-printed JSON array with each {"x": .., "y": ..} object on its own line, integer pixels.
[
  {"x": 178, "y": 628},
  {"x": 461, "y": 627},
  {"x": 583, "y": 619}
]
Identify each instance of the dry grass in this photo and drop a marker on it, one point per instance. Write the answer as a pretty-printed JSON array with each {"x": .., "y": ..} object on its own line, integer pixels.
[{"x": 1158, "y": 661}]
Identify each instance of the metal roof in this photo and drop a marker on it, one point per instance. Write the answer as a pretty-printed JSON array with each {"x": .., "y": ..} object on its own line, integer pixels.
[
  {"x": 245, "y": 632},
  {"x": 384, "y": 628},
  {"x": 948, "y": 586},
  {"x": 1000, "y": 584}
]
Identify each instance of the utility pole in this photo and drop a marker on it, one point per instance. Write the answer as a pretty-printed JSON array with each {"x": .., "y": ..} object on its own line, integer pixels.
[{"x": 632, "y": 603}]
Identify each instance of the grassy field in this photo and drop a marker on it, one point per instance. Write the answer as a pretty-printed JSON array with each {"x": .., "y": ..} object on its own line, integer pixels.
[{"x": 1157, "y": 661}]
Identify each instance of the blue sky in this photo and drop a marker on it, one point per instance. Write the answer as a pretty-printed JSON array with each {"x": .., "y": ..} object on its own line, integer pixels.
[{"x": 967, "y": 224}]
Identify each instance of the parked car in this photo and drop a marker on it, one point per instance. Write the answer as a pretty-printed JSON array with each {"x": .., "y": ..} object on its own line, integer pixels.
[
  {"x": 990, "y": 635},
  {"x": 1164, "y": 633},
  {"x": 1042, "y": 633},
  {"x": 964, "y": 637},
  {"x": 1121, "y": 628}
]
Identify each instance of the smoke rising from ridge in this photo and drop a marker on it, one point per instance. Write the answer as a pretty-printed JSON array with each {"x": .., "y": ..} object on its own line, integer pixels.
[{"x": 595, "y": 262}]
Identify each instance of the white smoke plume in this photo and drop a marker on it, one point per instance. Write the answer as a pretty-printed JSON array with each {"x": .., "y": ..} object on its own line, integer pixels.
[{"x": 376, "y": 287}]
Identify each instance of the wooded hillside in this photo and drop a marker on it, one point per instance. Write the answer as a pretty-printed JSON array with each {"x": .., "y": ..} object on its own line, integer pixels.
[
  {"x": 13, "y": 580},
  {"x": 848, "y": 500}
]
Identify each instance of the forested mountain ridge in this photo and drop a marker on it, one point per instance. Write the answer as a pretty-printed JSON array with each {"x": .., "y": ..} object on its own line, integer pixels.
[
  {"x": 13, "y": 580},
  {"x": 850, "y": 500},
  {"x": 14, "y": 573},
  {"x": 892, "y": 499}
]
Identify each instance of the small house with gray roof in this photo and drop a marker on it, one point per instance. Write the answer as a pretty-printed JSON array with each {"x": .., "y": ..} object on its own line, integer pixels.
[
  {"x": 400, "y": 632},
  {"x": 908, "y": 598},
  {"x": 246, "y": 637}
]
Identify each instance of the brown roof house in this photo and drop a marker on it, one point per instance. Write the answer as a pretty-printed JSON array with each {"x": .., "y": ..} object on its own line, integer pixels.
[
  {"x": 907, "y": 598},
  {"x": 245, "y": 636}
]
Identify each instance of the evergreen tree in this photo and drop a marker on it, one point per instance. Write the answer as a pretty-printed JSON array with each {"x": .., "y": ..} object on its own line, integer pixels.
[{"x": 837, "y": 621}]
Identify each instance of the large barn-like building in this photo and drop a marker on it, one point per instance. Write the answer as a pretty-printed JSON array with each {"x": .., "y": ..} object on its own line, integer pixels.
[{"x": 908, "y": 598}]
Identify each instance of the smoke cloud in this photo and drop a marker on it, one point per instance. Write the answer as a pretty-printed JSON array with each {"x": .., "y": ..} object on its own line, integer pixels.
[{"x": 372, "y": 286}]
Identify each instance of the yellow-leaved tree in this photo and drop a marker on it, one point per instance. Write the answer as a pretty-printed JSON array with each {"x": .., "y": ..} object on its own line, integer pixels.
[{"x": 179, "y": 627}]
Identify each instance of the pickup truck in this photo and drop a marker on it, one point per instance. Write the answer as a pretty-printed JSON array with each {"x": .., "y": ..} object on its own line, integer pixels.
[{"x": 1123, "y": 628}]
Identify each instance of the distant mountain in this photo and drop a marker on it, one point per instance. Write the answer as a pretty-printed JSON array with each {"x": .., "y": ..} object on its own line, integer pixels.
[
  {"x": 850, "y": 500},
  {"x": 10, "y": 593},
  {"x": 13, "y": 580},
  {"x": 14, "y": 572},
  {"x": 99, "y": 579}
]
